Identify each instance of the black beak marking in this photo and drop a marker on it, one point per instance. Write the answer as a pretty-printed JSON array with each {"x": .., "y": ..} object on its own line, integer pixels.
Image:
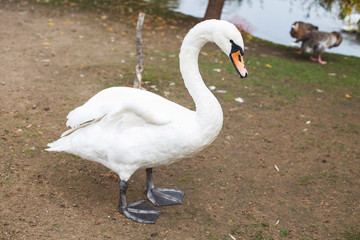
[{"x": 235, "y": 48}]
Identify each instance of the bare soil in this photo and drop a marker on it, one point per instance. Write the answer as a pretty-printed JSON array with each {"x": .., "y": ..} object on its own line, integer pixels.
[{"x": 275, "y": 171}]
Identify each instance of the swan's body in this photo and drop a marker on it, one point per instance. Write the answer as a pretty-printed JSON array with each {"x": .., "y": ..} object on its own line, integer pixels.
[
  {"x": 126, "y": 129},
  {"x": 136, "y": 129},
  {"x": 317, "y": 42}
]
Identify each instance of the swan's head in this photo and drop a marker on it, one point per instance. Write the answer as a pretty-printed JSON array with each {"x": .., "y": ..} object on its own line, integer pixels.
[{"x": 230, "y": 41}]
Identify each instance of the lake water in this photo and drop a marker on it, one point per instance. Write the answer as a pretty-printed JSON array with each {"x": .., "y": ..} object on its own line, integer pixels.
[{"x": 271, "y": 19}]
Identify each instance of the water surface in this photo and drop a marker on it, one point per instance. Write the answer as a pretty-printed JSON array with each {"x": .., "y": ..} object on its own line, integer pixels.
[{"x": 271, "y": 19}]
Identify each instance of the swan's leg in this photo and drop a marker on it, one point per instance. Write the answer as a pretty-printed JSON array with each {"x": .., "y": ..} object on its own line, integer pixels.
[
  {"x": 161, "y": 196},
  {"x": 138, "y": 211}
]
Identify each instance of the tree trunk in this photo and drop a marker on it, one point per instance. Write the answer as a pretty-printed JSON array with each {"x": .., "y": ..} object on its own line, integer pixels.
[
  {"x": 214, "y": 8},
  {"x": 140, "y": 56}
]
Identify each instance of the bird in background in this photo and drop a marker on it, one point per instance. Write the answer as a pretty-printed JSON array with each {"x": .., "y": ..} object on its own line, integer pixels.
[
  {"x": 314, "y": 41},
  {"x": 317, "y": 42}
]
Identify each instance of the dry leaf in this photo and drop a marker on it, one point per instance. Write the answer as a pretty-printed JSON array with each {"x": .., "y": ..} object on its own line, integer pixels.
[
  {"x": 110, "y": 29},
  {"x": 46, "y": 44},
  {"x": 51, "y": 24},
  {"x": 347, "y": 96},
  {"x": 249, "y": 36},
  {"x": 268, "y": 65}
]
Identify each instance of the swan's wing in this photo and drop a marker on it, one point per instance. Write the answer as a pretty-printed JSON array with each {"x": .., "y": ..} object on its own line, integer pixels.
[
  {"x": 133, "y": 115},
  {"x": 96, "y": 107},
  {"x": 145, "y": 104},
  {"x": 124, "y": 107},
  {"x": 71, "y": 130}
]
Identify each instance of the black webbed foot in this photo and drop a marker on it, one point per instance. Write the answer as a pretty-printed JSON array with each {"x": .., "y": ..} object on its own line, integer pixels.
[
  {"x": 138, "y": 211},
  {"x": 141, "y": 212},
  {"x": 165, "y": 196},
  {"x": 161, "y": 196}
]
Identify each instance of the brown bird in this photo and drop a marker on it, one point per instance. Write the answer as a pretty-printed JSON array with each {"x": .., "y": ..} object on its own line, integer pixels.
[
  {"x": 317, "y": 42},
  {"x": 299, "y": 29}
]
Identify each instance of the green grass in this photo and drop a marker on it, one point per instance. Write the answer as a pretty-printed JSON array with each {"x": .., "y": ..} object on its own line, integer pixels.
[{"x": 351, "y": 234}]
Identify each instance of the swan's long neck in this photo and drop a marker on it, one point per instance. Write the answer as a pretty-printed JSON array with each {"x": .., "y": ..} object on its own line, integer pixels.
[{"x": 208, "y": 109}]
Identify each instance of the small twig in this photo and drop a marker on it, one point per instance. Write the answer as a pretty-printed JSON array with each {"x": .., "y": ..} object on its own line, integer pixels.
[{"x": 140, "y": 57}]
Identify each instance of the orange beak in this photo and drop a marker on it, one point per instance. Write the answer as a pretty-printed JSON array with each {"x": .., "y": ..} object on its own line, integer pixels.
[{"x": 238, "y": 61}]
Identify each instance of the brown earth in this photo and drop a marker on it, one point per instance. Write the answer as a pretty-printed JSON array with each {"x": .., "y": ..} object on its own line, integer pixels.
[{"x": 54, "y": 59}]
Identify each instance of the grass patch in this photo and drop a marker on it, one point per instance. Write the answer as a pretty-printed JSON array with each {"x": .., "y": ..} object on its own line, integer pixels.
[{"x": 351, "y": 234}]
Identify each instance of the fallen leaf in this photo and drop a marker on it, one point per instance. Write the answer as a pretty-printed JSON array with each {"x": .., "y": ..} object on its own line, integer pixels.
[
  {"x": 110, "y": 29},
  {"x": 51, "y": 24},
  {"x": 268, "y": 65},
  {"x": 347, "y": 96},
  {"x": 249, "y": 36},
  {"x": 46, "y": 44}
]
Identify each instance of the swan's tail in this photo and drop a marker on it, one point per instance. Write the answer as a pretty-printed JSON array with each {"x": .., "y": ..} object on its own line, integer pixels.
[{"x": 57, "y": 146}]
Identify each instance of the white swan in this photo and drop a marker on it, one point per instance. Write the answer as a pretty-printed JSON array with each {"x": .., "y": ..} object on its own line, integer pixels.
[{"x": 126, "y": 129}]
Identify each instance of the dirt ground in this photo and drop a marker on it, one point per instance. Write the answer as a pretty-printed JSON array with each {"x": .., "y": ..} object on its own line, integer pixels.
[{"x": 288, "y": 172}]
